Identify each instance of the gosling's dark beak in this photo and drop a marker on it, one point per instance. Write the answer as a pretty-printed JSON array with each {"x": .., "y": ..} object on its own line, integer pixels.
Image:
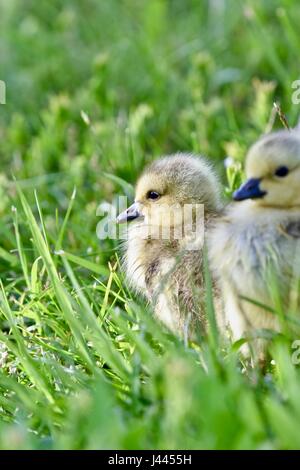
[
  {"x": 133, "y": 212},
  {"x": 249, "y": 190}
]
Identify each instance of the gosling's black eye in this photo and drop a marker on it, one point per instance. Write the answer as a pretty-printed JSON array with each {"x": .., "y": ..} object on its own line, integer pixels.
[
  {"x": 152, "y": 195},
  {"x": 282, "y": 171}
]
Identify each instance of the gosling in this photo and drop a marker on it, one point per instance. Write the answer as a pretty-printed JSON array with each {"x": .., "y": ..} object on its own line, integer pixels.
[
  {"x": 254, "y": 248},
  {"x": 176, "y": 198}
]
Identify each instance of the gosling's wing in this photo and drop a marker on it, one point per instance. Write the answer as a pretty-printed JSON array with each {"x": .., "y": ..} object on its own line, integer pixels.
[{"x": 292, "y": 229}]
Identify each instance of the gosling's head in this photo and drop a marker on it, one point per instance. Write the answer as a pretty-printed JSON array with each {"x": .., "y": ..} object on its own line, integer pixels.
[
  {"x": 273, "y": 171},
  {"x": 167, "y": 185}
]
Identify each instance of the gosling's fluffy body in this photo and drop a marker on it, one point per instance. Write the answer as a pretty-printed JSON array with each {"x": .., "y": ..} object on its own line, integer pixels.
[
  {"x": 256, "y": 244},
  {"x": 166, "y": 271}
]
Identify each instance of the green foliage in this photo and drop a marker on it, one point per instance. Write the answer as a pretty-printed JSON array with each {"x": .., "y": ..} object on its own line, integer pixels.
[{"x": 95, "y": 90}]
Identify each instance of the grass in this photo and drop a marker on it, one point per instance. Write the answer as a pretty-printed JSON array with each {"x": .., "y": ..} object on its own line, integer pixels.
[{"x": 95, "y": 90}]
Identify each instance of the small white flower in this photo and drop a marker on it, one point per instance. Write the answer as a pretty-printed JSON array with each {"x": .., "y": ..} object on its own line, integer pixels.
[{"x": 228, "y": 162}]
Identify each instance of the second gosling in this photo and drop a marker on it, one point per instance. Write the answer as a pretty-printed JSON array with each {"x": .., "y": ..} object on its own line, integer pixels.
[{"x": 255, "y": 247}]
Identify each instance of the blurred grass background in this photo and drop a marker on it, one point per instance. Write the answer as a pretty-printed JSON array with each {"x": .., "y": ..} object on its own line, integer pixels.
[{"x": 99, "y": 88}]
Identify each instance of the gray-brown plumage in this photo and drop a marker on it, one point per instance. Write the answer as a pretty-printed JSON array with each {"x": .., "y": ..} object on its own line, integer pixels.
[{"x": 164, "y": 251}]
